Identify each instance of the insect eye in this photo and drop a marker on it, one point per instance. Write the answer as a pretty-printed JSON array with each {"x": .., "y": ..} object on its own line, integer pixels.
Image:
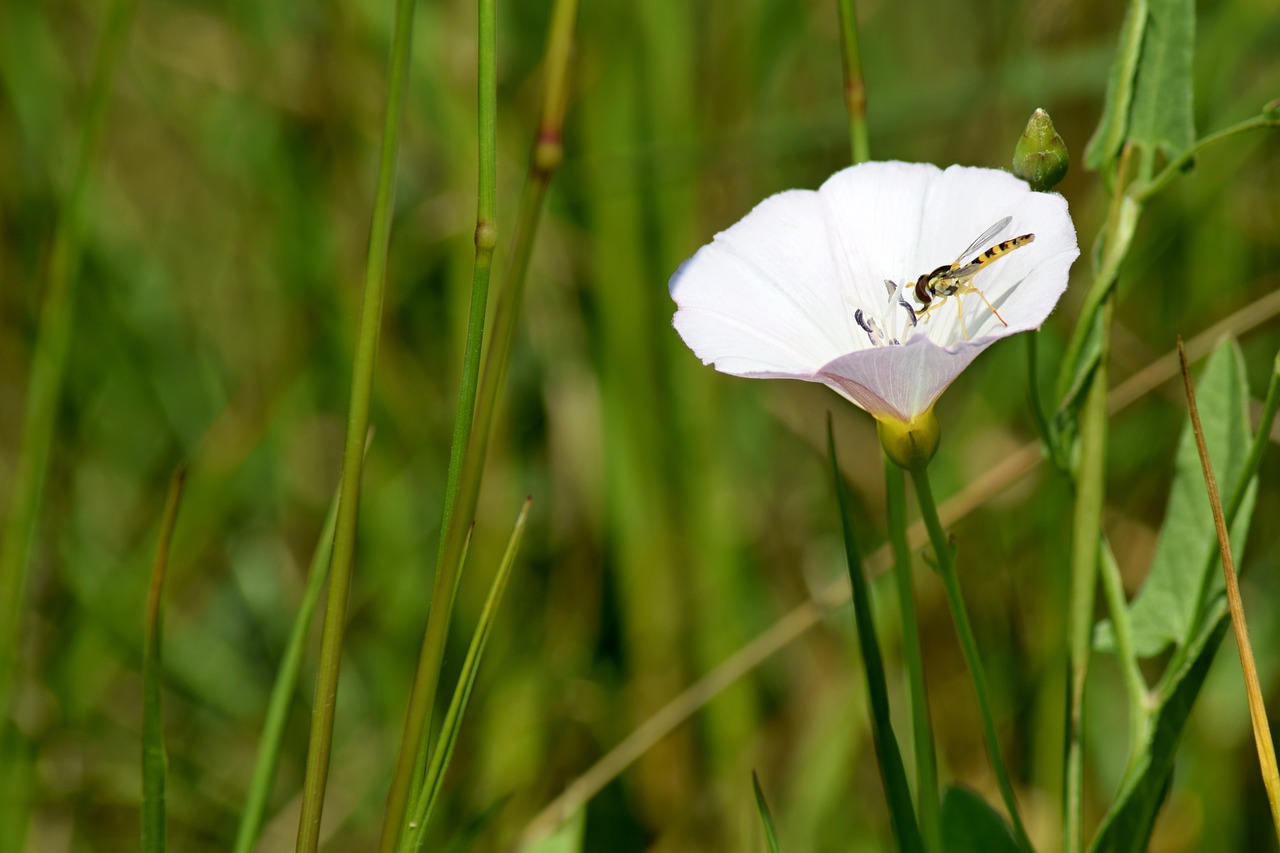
[{"x": 922, "y": 290}]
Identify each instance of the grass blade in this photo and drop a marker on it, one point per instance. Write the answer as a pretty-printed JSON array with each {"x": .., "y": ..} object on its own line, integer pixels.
[
  {"x": 1257, "y": 709},
  {"x": 154, "y": 760},
  {"x": 892, "y": 773},
  {"x": 425, "y": 802},
  {"x": 344, "y": 541},
  {"x": 48, "y": 363},
  {"x": 277, "y": 716},
  {"x": 766, "y": 816},
  {"x": 477, "y": 402}
]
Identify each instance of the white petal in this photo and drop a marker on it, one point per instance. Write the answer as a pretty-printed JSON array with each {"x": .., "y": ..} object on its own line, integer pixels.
[
  {"x": 899, "y": 382},
  {"x": 764, "y": 296}
]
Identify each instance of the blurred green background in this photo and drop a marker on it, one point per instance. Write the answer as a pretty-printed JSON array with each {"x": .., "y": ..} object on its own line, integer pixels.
[{"x": 677, "y": 512}]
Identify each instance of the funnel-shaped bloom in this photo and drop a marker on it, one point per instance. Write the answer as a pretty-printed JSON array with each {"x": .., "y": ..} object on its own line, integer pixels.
[{"x": 876, "y": 284}]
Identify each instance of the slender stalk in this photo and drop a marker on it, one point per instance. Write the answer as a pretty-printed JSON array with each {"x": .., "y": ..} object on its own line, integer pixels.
[
  {"x": 1136, "y": 689},
  {"x": 273, "y": 726},
  {"x": 428, "y": 796},
  {"x": 1174, "y": 167},
  {"x": 154, "y": 760},
  {"x": 459, "y": 503},
  {"x": 926, "y": 760},
  {"x": 326, "y": 694},
  {"x": 855, "y": 89},
  {"x": 945, "y": 554},
  {"x": 1257, "y": 709},
  {"x": 1087, "y": 521},
  {"x": 49, "y": 360}
]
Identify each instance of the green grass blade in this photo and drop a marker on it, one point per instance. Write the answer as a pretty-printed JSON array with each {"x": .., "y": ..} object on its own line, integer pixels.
[
  {"x": 326, "y": 695},
  {"x": 49, "y": 361},
  {"x": 766, "y": 816},
  {"x": 424, "y": 804},
  {"x": 277, "y": 716},
  {"x": 154, "y": 760},
  {"x": 892, "y": 773},
  {"x": 478, "y": 398}
]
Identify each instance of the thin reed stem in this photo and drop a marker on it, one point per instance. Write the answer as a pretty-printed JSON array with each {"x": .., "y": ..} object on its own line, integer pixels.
[
  {"x": 463, "y": 490},
  {"x": 926, "y": 761},
  {"x": 855, "y": 89},
  {"x": 49, "y": 360},
  {"x": 945, "y": 555},
  {"x": 340, "y": 570},
  {"x": 1257, "y": 708}
]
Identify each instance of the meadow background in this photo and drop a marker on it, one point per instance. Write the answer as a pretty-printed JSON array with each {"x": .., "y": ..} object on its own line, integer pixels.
[{"x": 677, "y": 513}]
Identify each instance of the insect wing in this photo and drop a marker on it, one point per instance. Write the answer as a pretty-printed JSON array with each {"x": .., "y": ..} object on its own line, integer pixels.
[{"x": 984, "y": 239}]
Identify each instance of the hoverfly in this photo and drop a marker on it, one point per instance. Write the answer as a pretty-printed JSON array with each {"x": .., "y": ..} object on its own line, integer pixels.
[{"x": 956, "y": 279}]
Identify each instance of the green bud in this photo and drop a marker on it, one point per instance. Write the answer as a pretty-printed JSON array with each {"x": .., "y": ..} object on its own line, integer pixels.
[
  {"x": 911, "y": 445},
  {"x": 1040, "y": 157}
]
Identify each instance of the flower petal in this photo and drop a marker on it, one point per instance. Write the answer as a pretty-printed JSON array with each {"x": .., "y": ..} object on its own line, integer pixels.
[
  {"x": 763, "y": 296},
  {"x": 899, "y": 382}
]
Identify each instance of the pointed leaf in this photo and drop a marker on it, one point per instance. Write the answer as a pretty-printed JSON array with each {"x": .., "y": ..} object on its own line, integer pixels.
[
  {"x": 1114, "y": 127},
  {"x": 1162, "y": 118},
  {"x": 1185, "y": 572},
  {"x": 154, "y": 759},
  {"x": 970, "y": 825},
  {"x": 892, "y": 773},
  {"x": 766, "y": 816}
]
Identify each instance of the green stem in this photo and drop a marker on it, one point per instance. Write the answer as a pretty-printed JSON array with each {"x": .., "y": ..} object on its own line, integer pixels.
[
  {"x": 1135, "y": 685},
  {"x": 460, "y": 488},
  {"x": 1087, "y": 521},
  {"x": 326, "y": 694},
  {"x": 282, "y": 692},
  {"x": 1147, "y": 189},
  {"x": 49, "y": 360},
  {"x": 951, "y": 583},
  {"x": 855, "y": 90},
  {"x": 921, "y": 730}
]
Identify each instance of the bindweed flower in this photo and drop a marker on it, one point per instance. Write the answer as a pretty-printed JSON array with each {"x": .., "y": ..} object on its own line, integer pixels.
[{"x": 884, "y": 284}]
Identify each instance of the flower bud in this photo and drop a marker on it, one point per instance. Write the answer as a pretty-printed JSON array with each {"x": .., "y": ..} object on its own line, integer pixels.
[
  {"x": 910, "y": 445},
  {"x": 1040, "y": 157}
]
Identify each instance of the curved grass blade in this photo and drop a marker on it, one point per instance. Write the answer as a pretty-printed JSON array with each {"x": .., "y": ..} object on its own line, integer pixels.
[
  {"x": 892, "y": 774},
  {"x": 766, "y": 816},
  {"x": 424, "y": 803},
  {"x": 273, "y": 726},
  {"x": 154, "y": 760}
]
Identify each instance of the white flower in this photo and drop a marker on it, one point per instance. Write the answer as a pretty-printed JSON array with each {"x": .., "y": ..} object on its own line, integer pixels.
[{"x": 822, "y": 286}]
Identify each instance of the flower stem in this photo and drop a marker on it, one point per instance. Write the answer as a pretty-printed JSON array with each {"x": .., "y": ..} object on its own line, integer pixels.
[
  {"x": 951, "y": 583},
  {"x": 926, "y": 761},
  {"x": 855, "y": 90}
]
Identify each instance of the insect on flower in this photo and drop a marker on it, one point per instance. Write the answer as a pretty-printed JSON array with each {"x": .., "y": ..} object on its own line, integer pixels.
[
  {"x": 932, "y": 289},
  {"x": 798, "y": 287}
]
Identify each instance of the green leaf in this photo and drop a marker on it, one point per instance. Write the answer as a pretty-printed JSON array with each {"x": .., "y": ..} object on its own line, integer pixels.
[
  {"x": 1185, "y": 573},
  {"x": 1127, "y": 825},
  {"x": 970, "y": 825},
  {"x": 766, "y": 817},
  {"x": 892, "y": 774},
  {"x": 154, "y": 760},
  {"x": 1162, "y": 118},
  {"x": 1113, "y": 129}
]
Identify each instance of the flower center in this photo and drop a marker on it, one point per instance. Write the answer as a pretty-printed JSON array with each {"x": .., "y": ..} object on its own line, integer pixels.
[{"x": 898, "y": 320}]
